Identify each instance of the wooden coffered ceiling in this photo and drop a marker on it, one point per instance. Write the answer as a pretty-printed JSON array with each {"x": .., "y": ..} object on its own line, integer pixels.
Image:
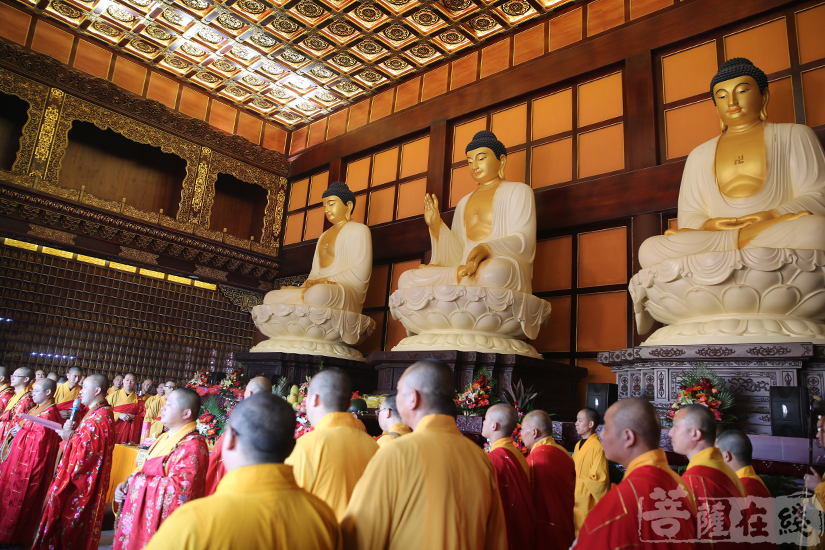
[{"x": 291, "y": 61}]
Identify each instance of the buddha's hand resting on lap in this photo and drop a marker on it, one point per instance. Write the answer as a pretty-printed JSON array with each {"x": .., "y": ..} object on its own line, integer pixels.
[
  {"x": 431, "y": 215},
  {"x": 309, "y": 283},
  {"x": 477, "y": 255}
]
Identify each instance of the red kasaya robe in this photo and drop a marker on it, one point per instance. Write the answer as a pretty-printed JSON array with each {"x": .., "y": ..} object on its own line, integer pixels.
[
  {"x": 553, "y": 474},
  {"x": 709, "y": 479},
  {"x": 127, "y": 432},
  {"x": 75, "y": 499},
  {"x": 172, "y": 475},
  {"x": 764, "y": 509},
  {"x": 513, "y": 479},
  {"x": 17, "y": 405},
  {"x": 216, "y": 469},
  {"x": 650, "y": 508},
  {"x": 25, "y": 475},
  {"x": 64, "y": 398},
  {"x": 6, "y": 393}
]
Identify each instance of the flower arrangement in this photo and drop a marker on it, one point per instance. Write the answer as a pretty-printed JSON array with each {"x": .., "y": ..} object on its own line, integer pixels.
[
  {"x": 478, "y": 395},
  {"x": 217, "y": 401},
  {"x": 702, "y": 386},
  {"x": 522, "y": 400},
  {"x": 213, "y": 418}
]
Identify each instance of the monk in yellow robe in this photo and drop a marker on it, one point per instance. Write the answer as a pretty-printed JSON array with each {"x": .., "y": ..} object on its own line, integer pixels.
[
  {"x": 329, "y": 460},
  {"x": 117, "y": 384},
  {"x": 258, "y": 504},
  {"x": 153, "y": 407},
  {"x": 69, "y": 391},
  {"x": 129, "y": 411},
  {"x": 390, "y": 422},
  {"x": 592, "y": 477},
  {"x": 433, "y": 489}
]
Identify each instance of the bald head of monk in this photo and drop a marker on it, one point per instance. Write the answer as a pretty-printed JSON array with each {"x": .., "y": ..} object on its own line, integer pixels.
[
  {"x": 53, "y": 376},
  {"x": 426, "y": 387},
  {"x": 22, "y": 378},
  {"x": 261, "y": 431},
  {"x": 329, "y": 391},
  {"x": 73, "y": 376},
  {"x": 694, "y": 430},
  {"x": 258, "y": 384},
  {"x": 535, "y": 426},
  {"x": 736, "y": 448},
  {"x": 499, "y": 422},
  {"x": 43, "y": 390},
  {"x": 631, "y": 428},
  {"x": 94, "y": 390},
  {"x": 181, "y": 408},
  {"x": 388, "y": 414}
]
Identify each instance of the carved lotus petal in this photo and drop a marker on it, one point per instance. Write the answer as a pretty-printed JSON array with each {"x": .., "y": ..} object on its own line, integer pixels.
[
  {"x": 740, "y": 299},
  {"x": 808, "y": 282},
  {"x": 488, "y": 323},
  {"x": 438, "y": 320},
  {"x": 761, "y": 279},
  {"x": 798, "y": 327},
  {"x": 701, "y": 302},
  {"x": 779, "y": 300},
  {"x": 316, "y": 331},
  {"x": 462, "y": 320},
  {"x": 811, "y": 306}
]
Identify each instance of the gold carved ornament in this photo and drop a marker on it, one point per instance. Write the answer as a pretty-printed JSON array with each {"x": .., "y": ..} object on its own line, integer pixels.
[{"x": 37, "y": 96}]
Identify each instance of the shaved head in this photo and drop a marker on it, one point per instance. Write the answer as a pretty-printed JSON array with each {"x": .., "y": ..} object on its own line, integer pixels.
[
  {"x": 46, "y": 384},
  {"x": 700, "y": 418},
  {"x": 592, "y": 415},
  {"x": 78, "y": 370},
  {"x": 389, "y": 403},
  {"x": 26, "y": 372},
  {"x": 188, "y": 400},
  {"x": 435, "y": 383},
  {"x": 639, "y": 416},
  {"x": 504, "y": 415},
  {"x": 264, "y": 426},
  {"x": 538, "y": 420},
  {"x": 259, "y": 384},
  {"x": 53, "y": 376},
  {"x": 334, "y": 388},
  {"x": 738, "y": 444},
  {"x": 98, "y": 381}
]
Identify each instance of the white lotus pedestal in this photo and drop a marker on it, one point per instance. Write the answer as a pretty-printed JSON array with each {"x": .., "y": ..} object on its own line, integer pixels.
[
  {"x": 311, "y": 330},
  {"x": 466, "y": 318},
  {"x": 759, "y": 295}
]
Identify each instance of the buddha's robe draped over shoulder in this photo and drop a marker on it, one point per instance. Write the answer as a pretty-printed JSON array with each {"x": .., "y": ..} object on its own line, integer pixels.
[
  {"x": 433, "y": 489},
  {"x": 75, "y": 499},
  {"x": 25, "y": 475},
  {"x": 512, "y": 243},
  {"x": 255, "y": 508},
  {"x": 172, "y": 474},
  {"x": 795, "y": 182},
  {"x": 553, "y": 475},
  {"x": 592, "y": 477}
]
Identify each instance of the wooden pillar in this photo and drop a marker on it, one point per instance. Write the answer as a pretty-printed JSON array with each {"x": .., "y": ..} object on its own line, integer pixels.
[{"x": 641, "y": 111}]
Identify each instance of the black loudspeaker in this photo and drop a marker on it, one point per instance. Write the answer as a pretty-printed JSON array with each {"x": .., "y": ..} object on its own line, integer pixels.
[
  {"x": 601, "y": 396},
  {"x": 216, "y": 377},
  {"x": 789, "y": 411}
]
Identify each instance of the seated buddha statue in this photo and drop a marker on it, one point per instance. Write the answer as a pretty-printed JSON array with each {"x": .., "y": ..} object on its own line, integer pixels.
[
  {"x": 758, "y": 185},
  {"x": 492, "y": 241},
  {"x": 746, "y": 262},
  {"x": 476, "y": 293},
  {"x": 337, "y": 283}
]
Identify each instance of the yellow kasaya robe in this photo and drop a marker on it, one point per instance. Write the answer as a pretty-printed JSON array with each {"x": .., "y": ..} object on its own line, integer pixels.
[
  {"x": 111, "y": 390},
  {"x": 120, "y": 398},
  {"x": 397, "y": 429},
  {"x": 63, "y": 393},
  {"x": 433, "y": 489},
  {"x": 153, "y": 407},
  {"x": 592, "y": 477},
  {"x": 256, "y": 506},
  {"x": 329, "y": 460}
]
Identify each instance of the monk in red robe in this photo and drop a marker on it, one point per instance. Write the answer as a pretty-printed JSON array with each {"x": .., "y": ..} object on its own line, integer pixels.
[
  {"x": 172, "y": 475},
  {"x": 216, "y": 469},
  {"x": 512, "y": 475},
  {"x": 28, "y": 457},
  {"x": 129, "y": 410},
  {"x": 6, "y": 389},
  {"x": 19, "y": 403},
  {"x": 75, "y": 499},
  {"x": 553, "y": 475},
  {"x": 651, "y": 507},
  {"x": 709, "y": 478}
]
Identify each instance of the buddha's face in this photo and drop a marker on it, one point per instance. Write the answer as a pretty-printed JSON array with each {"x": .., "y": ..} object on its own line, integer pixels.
[
  {"x": 738, "y": 101},
  {"x": 484, "y": 166},
  {"x": 336, "y": 211}
]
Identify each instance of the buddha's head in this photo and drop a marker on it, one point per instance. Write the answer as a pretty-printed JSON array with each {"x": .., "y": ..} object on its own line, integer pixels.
[
  {"x": 339, "y": 202},
  {"x": 740, "y": 93},
  {"x": 486, "y": 156}
]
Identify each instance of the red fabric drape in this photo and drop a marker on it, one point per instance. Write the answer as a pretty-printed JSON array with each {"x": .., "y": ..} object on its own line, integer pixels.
[{"x": 516, "y": 498}]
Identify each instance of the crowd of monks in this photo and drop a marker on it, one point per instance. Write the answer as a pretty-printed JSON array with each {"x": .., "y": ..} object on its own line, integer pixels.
[{"x": 422, "y": 484}]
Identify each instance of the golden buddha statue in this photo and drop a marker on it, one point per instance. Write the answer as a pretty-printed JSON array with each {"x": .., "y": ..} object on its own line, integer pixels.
[
  {"x": 747, "y": 194},
  {"x": 476, "y": 292},
  {"x": 305, "y": 319}
]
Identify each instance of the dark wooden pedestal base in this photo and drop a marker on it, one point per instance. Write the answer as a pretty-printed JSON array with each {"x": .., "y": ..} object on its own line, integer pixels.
[
  {"x": 556, "y": 383},
  {"x": 296, "y": 367}
]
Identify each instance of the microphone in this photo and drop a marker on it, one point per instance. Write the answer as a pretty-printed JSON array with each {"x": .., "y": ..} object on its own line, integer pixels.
[{"x": 76, "y": 404}]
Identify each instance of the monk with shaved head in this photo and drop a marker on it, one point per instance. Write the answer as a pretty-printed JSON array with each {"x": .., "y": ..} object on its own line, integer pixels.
[
  {"x": 27, "y": 466},
  {"x": 592, "y": 477},
  {"x": 329, "y": 460},
  {"x": 432, "y": 489},
  {"x": 216, "y": 469},
  {"x": 630, "y": 514},
  {"x": 258, "y": 505},
  {"x": 75, "y": 499},
  {"x": 553, "y": 477},
  {"x": 390, "y": 421},
  {"x": 708, "y": 476},
  {"x": 6, "y": 389},
  {"x": 172, "y": 474},
  {"x": 20, "y": 402},
  {"x": 512, "y": 475},
  {"x": 69, "y": 391}
]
